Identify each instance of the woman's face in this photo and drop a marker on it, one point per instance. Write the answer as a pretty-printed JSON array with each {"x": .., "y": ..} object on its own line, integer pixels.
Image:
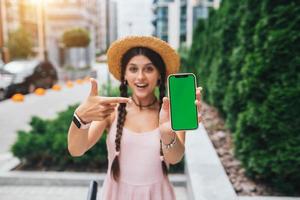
[{"x": 141, "y": 76}]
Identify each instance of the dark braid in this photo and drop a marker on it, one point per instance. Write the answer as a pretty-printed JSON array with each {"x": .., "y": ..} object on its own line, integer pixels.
[
  {"x": 115, "y": 167},
  {"x": 160, "y": 65}
]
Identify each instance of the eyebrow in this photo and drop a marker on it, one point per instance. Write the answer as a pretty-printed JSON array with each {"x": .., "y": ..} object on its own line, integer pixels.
[{"x": 144, "y": 64}]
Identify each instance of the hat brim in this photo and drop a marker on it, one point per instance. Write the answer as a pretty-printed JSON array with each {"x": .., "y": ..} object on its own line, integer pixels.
[{"x": 120, "y": 47}]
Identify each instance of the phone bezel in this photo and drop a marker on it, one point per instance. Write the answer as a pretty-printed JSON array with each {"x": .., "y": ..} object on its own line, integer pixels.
[{"x": 195, "y": 86}]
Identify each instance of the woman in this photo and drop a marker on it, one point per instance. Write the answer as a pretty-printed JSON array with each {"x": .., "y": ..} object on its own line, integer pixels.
[{"x": 140, "y": 141}]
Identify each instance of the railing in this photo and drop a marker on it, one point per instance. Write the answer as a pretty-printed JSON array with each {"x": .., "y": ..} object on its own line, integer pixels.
[{"x": 93, "y": 189}]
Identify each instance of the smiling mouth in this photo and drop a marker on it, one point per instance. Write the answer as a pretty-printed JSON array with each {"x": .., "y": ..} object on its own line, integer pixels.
[{"x": 141, "y": 85}]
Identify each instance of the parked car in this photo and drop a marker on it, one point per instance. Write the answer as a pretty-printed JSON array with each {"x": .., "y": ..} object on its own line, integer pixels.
[
  {"x": 5, "y": 79},
  {"x": 24, "y": 76}
]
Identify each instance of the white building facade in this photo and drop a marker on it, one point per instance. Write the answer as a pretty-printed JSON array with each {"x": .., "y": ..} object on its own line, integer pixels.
[
  {"x": 134, "y": 17},
  {"x": 174, "y": 20}
]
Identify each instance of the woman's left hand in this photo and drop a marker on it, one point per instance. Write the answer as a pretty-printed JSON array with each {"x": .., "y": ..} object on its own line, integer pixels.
[{"x": 164, "y": 114}]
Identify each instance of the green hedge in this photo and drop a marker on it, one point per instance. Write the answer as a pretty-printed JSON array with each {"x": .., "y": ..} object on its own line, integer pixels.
[
  {"x": 247, "y": 55},
  {"x": 45, "y": 146}
]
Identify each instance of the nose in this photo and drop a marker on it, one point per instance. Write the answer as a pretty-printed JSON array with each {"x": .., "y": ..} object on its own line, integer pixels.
[{"x": 140, "y": 75}]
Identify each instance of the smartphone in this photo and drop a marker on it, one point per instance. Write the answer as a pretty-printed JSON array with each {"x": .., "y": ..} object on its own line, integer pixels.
[{"x": 182, "y": 96}]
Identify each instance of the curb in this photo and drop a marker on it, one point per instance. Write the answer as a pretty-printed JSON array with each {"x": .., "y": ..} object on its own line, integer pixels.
[{"x": 206, "y": 177}]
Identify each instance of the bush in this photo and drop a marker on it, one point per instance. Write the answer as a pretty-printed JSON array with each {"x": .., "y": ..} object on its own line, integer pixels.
[
  {"x": 45, "y": 146},
  {"x": 76, "y": 37},
  {"x": 267, "y": 136},
  {"x": 234, "y": 100},
  {"x": 247, "y": 56}
]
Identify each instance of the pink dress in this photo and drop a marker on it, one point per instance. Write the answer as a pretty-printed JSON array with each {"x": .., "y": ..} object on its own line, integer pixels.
[{"x": 141, "y": 175}]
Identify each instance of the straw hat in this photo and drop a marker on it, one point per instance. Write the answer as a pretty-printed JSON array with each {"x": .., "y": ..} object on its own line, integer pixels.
[{"x": 118, "y": 48}]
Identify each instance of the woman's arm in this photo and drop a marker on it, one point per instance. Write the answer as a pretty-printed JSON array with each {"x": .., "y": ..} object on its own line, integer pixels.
[
  {"x": 80, "y": 140},
  {"x": 95, "y": 109},
  {"x": 174, "y": 154}
]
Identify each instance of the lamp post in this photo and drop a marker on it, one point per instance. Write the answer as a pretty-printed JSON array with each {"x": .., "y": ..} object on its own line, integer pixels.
[
  {"x": 41, "y": 29},
  {"x": 3, "y": 32}
]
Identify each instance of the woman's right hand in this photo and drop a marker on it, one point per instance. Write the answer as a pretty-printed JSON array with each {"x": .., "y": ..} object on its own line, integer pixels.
[{"x": 98, "y": 108}]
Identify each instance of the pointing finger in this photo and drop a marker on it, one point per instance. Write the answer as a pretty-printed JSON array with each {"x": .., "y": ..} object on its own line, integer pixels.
[
  {"x": 94, "y": 87},
  {"x": 108, "y": 100}
]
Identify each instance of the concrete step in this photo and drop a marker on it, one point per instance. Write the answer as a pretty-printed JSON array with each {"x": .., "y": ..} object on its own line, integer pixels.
[
  {"x": 58, "y": 193},
  {"x": 19, "y": 185},
  {"x": 40, "y": 178}
]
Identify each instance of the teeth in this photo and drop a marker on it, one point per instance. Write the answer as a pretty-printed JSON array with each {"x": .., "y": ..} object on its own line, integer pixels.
[{"x": 141, "y": 85}]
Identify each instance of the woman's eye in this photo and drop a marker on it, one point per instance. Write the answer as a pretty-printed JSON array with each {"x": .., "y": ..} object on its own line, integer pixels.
[
  {"x": 149, "y": 69},
  {"x": 133, "y": 69}
]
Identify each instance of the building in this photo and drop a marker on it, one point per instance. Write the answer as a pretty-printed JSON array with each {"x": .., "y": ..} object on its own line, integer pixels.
[
  {"x": 29, "y": 19},
  {"x": 3, "y": 32},
  {"x": 197, "y": 9},
  {"x": 113, "y": 22},
  {"x": 46, "y": 21},
  {"x": 10, "y": 21},
  {"x": 21, "y": 13},
  {"x": 101, "y": 39},
  {"x": 62, "y": 15},
  {"x": 107, "y": 23},
  {"x": 134, "y": 17},
  {"x": 9, "y": 17},
  {"x": 174, "y": 20}
]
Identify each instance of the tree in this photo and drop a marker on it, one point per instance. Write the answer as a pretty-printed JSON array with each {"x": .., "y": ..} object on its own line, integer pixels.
[
  {"x": 19, "y": 44},
  {"x": 76, "y": 37}
]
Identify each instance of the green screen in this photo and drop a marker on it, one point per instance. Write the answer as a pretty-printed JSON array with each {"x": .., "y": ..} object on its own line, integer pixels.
[{"x": 182, "y": 94}]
